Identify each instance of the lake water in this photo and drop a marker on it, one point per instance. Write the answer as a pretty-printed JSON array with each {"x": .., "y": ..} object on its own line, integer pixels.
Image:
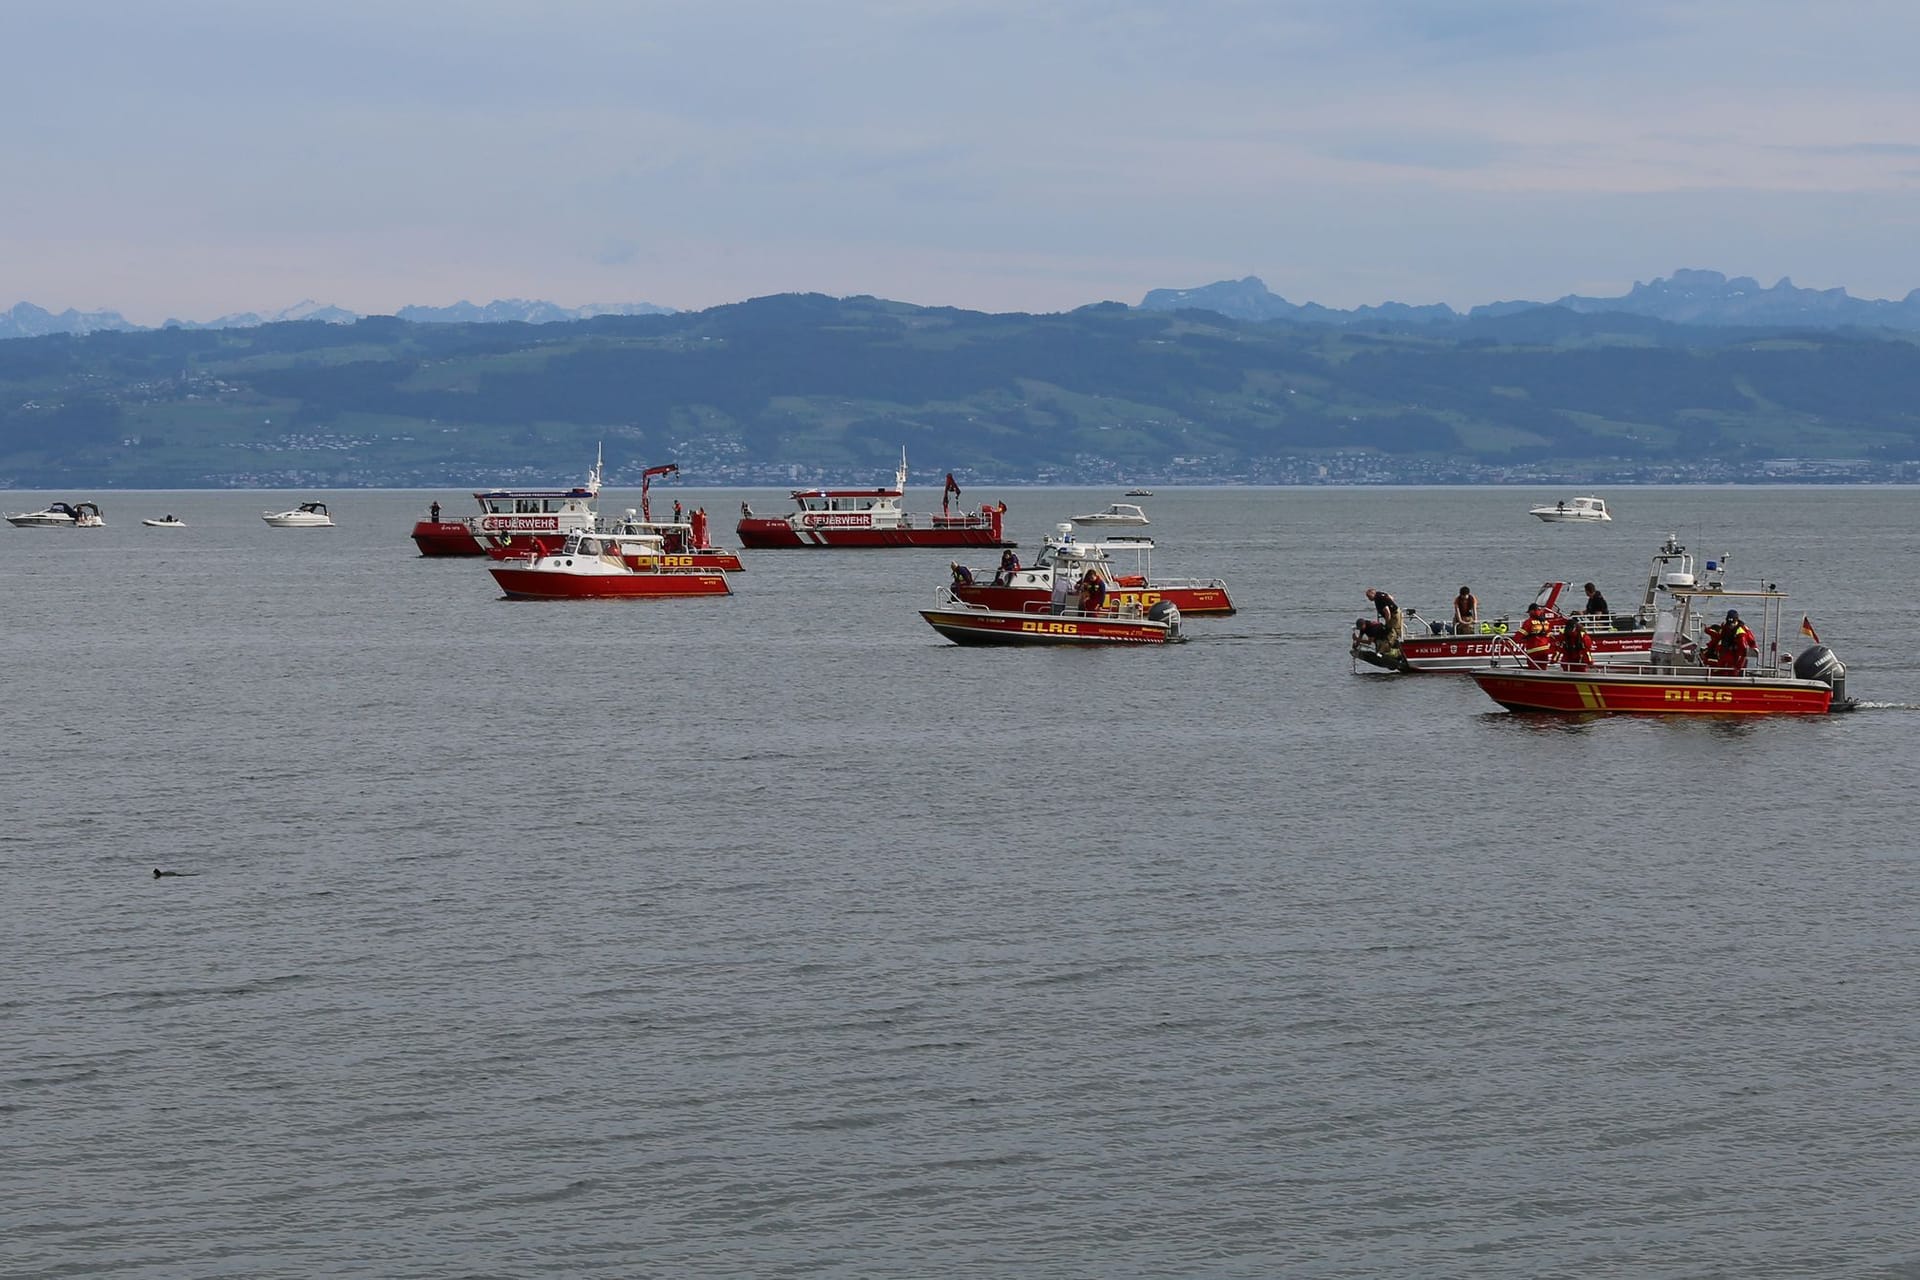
[{"x": 776, "y": 936}]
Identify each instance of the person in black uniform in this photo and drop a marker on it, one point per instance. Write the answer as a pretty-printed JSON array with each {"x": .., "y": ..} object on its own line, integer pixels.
[
  {"x": 1596, "y": 603},
  {"x": 1389, "y": 610}
]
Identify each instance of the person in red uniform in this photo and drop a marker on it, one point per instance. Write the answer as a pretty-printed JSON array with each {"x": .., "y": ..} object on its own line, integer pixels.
[
  {"x": 1093, "y": 593},
  {"x": 1536, "y": 637},
  {"x": 1729, "y": 644},
  {"x": 1576, "y": 646}
]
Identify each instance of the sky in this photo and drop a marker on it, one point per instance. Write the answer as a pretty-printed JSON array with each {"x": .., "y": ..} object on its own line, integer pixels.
[{"x": 194, "y": 158}]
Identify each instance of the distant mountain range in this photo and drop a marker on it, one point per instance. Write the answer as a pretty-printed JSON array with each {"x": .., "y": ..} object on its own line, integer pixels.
[
  {"x": 1687, "y": 297},
  {"x": 28, "y": 321}
]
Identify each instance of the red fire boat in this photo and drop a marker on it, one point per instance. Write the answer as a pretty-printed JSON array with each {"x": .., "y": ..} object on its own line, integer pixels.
[
  {"x": 1693, "y": 669},
  {"x": 1124, "y": 564},
  {"x": 871, "y": 518},
  {"x": 1046, "y": 624},
  {"x": 591, "y": 566}
]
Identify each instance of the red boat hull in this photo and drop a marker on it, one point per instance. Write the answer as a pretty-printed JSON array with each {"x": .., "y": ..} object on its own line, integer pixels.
[
  {"x": 1653, "y": 694},
  {"x": 445, "y": 538},
  {"x": 766, "y": 533},
  {"x": 522, "y": 583},
  {"x": 965, "y": 626},
  {"x": 712, "y": 559},
  {"x": 1189, "y": 600},
  {"x": 1463, "y": 653}
]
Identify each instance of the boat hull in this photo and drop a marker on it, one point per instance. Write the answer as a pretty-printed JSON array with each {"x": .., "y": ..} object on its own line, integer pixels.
[
  {"x": 1457, "y": 654},
  {"x": 768, "y": 533},
  {"x": 710, "y": 559},
  {"x": 1694, "y": 693},
  {"x": 1189, "y": 600},
  {"x": 983, "y": 627},
  {"x": 521, "y": 582},
  {"x": 446, "y": 538}
]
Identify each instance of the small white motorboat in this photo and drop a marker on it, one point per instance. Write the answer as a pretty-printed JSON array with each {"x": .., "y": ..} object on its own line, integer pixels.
[
  {"x": 1139, "y": 493},
  {"x": 1573, "y": 510},
  {"x": 168, "y": 521},
  {"x": 1116, "y": 513},
  {"x": 308, "y": 515},
  {"x": 80, "y": 515}
]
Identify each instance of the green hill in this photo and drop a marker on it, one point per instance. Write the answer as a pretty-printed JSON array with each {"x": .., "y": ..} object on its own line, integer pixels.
[{"x": 819, "y": 388}]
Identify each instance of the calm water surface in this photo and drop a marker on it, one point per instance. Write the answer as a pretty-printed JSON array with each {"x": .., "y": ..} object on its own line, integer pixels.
[{"x": 775, "y": 936}]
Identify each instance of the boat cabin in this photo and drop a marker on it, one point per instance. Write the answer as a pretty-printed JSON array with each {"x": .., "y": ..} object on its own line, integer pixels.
[{"x": 313, "y": 508}]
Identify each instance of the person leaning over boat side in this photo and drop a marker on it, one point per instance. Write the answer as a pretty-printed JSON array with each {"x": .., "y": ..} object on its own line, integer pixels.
[
  {"x": 1596, "y": 603},
  {"x": 1536, "y": 637},
  {"x": 962, "y": 576},
  {"x": 1576, "y": 646},
  {"x": 1389, "y": 610},
  {"x": 1466, "y": 613}
]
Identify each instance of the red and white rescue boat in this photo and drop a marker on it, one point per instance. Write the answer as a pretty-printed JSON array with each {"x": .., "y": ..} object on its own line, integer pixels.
[
  {"x": 592, "y": 566},
  {"x": 1428, "y": 645},
  {"x": 683, "y": 545},
  {"x": 1128, "y": 584},
  {"x": 871, "y": 518},
  {"x": 514, "y": 521},
  {"x": 1044, "y": 624},
  {"x": 1685, "y": 675}
]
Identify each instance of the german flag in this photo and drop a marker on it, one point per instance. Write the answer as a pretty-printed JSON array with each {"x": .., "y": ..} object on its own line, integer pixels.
[{"x": 1806, "y": 629}]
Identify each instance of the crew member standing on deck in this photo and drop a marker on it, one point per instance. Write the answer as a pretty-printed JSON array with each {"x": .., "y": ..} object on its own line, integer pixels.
[
  {"x": 1536, "y": 637},
  {"x": 1596, "y": 603},
  {"x": 1576, "y": 646}
]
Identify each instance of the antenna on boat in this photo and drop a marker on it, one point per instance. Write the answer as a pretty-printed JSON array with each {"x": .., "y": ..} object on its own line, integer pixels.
[
  {"x": 593, "y": 476},
  {"x": 900, "y": 478}
]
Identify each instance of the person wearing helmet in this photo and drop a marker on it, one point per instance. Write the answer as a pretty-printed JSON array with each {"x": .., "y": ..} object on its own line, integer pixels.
[{"x": 1728, "y": 644}]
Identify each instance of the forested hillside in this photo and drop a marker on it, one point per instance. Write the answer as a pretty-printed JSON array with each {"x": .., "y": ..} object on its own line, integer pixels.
[{"x": 805, "y": 386}]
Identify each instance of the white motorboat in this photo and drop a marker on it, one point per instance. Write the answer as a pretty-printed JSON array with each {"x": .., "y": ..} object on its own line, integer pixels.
[
  {"x": 1116, "y": 513},
  {"x": 168, "y": 521},
  {"x": 79, "y": 515},
  {"x": 1139, "y": 493},
  {"x": 308, "y": 515},
  {"x": 1573, "y": 510}
]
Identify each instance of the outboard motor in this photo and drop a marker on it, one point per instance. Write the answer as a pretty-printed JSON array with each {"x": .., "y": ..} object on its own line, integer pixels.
[
  {"x": 1168, "y": 612},
  {"x": 1820, "y": 663}
]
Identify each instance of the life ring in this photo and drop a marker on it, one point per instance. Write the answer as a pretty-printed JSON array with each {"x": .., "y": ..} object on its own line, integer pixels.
[{"x": 1131, "y": 580}]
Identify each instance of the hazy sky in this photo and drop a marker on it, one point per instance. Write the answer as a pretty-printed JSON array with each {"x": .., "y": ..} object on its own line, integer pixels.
[{"x": 196, "y": 157}]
